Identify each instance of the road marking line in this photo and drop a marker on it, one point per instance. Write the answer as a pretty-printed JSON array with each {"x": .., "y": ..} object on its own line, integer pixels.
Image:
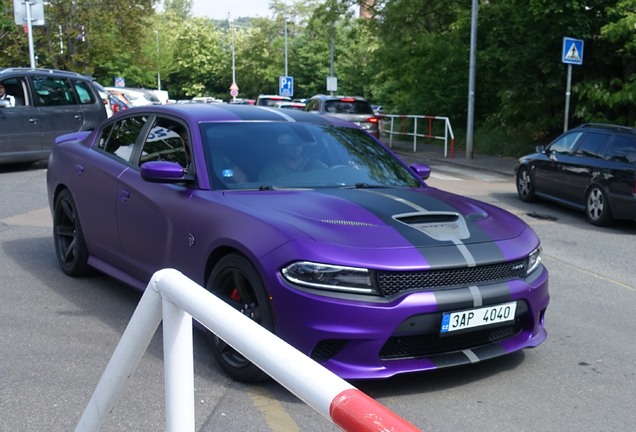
[
  {"x": 439, "y": 176},
  {"x": 39, "y": 218},
  {"x": 276, "y": 417}
]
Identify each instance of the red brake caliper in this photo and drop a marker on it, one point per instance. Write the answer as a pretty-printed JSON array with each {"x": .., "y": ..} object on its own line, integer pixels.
[{"x": 235, "y": 295}]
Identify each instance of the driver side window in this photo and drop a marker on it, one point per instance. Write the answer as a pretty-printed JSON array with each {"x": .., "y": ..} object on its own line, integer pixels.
[{"x": 565, "y": 144}]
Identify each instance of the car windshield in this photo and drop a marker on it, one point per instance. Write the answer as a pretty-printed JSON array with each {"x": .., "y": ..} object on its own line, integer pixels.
[
  {"x": 344, "y": 106},
  {"x": 278, "y": 155}
]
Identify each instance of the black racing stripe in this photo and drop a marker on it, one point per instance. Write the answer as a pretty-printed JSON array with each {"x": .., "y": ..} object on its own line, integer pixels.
[
  {"x": 480, "y": 244},
  {"x": 385, "y": 207},
  {"x": 489, "y": 351},
  {"x": 462, "y": 298},
  {"x": 249, "y": 113}
]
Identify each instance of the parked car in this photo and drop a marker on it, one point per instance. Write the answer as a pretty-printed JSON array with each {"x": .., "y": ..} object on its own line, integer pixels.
[
  {"x": 105, "y": 95},
  {"x": 47, "y": 103},
  {"x": 590, "y": 168},
  {"x": 135, "y": 96},
  {"x": 355, "y": 109},
  {"x": 206, "y": 99},
  {"x": 271, "y": 100},
  {"x": 306, "y": 224},
  {"x": 118, "y": 103},
  {"x": 378, "y": 110},
  {"x": 290, "y": 105}
]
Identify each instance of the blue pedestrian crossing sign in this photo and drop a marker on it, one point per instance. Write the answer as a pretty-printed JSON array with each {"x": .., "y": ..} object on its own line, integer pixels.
[
  {"x": 572, "y": 51},
  {"x": 286, "y": 86}
]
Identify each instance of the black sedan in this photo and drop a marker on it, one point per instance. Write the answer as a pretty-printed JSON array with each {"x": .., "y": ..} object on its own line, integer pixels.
[{"x": 591, "y": 168}]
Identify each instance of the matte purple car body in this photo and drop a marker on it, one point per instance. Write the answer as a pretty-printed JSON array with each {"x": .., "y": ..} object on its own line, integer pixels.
[{"x": 136, "y": 220}]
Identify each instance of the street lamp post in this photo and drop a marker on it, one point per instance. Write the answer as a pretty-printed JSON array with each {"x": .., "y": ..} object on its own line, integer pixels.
[
  {"x": 158, "y": 61},
  {"x": 471, "y": 81},
  {"x": 285, "y": 18}
]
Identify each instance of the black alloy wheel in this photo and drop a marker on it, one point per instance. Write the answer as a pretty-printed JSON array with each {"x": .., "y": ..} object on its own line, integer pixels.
[
  {"x": 70, "y": 247},
  {"x": 235, "y": 281}
]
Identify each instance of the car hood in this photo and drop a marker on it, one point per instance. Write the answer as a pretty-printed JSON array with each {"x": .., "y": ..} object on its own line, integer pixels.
[{"x": 391, "y": 218}]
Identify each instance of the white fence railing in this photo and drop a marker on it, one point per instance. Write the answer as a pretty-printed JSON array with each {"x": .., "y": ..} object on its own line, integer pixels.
[
  {"x": 180, "y": 300},
  {"x": 419, "y": 126}
]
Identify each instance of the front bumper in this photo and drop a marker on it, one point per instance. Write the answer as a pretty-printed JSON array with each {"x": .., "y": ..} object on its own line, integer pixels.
[{"x": 366, "y": 340}]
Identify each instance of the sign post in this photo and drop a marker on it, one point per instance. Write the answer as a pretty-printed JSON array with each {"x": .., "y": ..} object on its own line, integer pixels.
[
  {"x": 29, "y": 12},
  {"x": 572, "y": 54}
]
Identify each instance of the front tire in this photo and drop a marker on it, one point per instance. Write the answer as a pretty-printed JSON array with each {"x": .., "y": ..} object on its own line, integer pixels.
[
  {"x": 597, "y": 207},
  {"x": 525, "y": 185},
  {"x": 235, "y": 281},
  {"x": 70, "y": 247}
]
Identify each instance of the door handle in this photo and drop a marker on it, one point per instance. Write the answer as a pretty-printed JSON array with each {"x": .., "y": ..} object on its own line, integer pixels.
[{"x": 124, "y": 195}]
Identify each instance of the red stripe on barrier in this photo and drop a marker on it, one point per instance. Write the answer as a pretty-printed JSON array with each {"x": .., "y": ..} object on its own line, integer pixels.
[{"x": 354, "y": 411}]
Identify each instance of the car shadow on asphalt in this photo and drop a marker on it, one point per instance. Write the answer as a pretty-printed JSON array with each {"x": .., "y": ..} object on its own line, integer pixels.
[{"x": 97, "y": 296}]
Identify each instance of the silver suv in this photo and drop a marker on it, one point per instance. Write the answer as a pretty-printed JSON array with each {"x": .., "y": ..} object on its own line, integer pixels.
[
  {"x": 42, "y": 104},
  {"x": 354, "y": 109}
]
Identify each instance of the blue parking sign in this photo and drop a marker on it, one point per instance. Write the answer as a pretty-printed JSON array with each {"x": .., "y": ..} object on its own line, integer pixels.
[
  {"x": 572, "y": 51},
  {"x": 286, "y": 86}
]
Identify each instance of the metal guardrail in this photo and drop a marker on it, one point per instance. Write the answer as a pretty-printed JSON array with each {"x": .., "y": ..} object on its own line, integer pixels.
[
  {"x": 419, "y": 126},
  {"x": 179, "y": 300}
]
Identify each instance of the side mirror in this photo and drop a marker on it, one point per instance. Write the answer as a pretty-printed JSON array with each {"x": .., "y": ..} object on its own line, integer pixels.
[
  {"x": 163, "y": 172},
  {"x": 421, "y": 170}
]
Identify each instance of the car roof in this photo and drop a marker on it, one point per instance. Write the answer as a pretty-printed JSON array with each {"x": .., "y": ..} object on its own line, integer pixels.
[
  {"x": 338, "y": 97},
  {"x": 40, "y": 71},
  {"x": 608, "y": 127},
  {"x": 199, "y": 113}
]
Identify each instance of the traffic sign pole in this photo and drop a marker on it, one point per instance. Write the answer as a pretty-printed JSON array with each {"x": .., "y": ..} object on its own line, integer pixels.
[{"x": 567, "y": 99}]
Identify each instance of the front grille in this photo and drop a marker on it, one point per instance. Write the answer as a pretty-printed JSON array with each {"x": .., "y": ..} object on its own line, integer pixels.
[
  {"x": 391, "y": 282},
  {"x": 430, "y": 344}
]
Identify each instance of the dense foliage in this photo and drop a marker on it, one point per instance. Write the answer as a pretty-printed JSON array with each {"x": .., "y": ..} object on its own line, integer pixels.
[{"x": 411, "y": 56}]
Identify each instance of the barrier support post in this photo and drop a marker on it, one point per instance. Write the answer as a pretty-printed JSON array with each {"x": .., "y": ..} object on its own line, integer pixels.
[{"x": 131, "y": 348}]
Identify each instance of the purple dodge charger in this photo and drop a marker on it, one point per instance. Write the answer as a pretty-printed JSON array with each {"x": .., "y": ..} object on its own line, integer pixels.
[{"x": 308, "y": 225}]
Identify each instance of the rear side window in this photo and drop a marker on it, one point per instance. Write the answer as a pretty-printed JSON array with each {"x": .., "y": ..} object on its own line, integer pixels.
[
  {"x": 623, "y": 149},
  {"x": 86, "y": 96},
  {"x": 119, "y": 138},
  {"x": 342, "y": 106},
  {"x": 53, "y": 91},
  {"x": 593, "y": 145}
]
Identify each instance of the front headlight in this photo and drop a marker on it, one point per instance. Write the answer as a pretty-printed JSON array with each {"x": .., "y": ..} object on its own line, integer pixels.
[
  {"x": 534, "y": 260},
  {"x": 330, "y": 277}
]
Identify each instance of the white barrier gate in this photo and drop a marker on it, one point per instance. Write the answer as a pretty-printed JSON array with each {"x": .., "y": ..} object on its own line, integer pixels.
[{"x": 180, "y": 299}]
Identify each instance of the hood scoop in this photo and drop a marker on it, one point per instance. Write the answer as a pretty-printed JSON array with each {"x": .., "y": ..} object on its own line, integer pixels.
[{"x": 440, "y": 226}]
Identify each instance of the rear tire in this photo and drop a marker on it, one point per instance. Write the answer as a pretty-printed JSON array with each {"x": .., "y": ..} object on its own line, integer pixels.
[
  {"x": 597, "y": 208},
  {"x": 70, "y": 247},
  {"x": 235, "y": 281}
]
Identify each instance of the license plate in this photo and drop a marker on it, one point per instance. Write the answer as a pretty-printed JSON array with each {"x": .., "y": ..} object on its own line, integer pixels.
[{"x": 453, "y": 321}]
